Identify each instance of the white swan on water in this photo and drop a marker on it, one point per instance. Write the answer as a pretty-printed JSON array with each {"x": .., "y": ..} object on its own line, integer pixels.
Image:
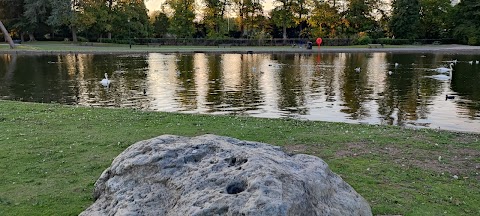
[
  {"x": 444, "y": 69},
  {"x": 105, "y": 82},
  {"x": 442, "y": 77}
]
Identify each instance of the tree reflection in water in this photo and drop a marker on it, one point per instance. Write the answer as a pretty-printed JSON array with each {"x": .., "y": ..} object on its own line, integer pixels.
[{"x": 322, "y": 86}]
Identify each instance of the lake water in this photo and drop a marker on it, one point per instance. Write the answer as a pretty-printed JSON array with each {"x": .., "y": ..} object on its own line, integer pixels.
[{"x": 303, "y": 86}]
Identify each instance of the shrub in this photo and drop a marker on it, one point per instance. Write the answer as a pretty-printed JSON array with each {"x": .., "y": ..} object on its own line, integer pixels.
[
  {"x": 388, "y": 41},
  {"x": 105, "y": 40},
  {"x": 391, "y": 41},
  {"x": 82, "y": 39},
  {"x": 473, "y": 41},
  {"x": 363, "y": 40},
  {"x": 119, "y": 41}
]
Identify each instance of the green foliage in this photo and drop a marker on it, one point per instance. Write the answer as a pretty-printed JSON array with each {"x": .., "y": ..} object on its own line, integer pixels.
[
  {"x": 82, "y": 39},
  {"x": 282, "y": 16},
  {"x": 11, "y": 11},
  {"x": 130, "y": 20},
  {"x": 325, "y": 21},
  {"x": 215, "y": 20},
  {"x": 123, "y": 41},
  {"x": 106, "y": 40},
  {"x": 300, "y": 10},
  {"x": 12, "y": 16},
  {"x": 363, "y": 40},
  {"x": 467, "y": 22},
  {"x": 96, "y": 17},
  {"x": 359, "y": 16},
  {"x": 161, "y": 24},
  {"x": 62, "y": 13},
  {"x": 410, "y": 19},
  {"x": 181, "y": 23},
  {"x": 391, "y": 41},
  {"x": 215, "y": 35},
  {"x": 250, "y": 19},
  {"x": 405, "y": 21},
  {"x": 35, "y": 15},
  {"x": 473, "y": 41},
  {"x": 435, "y": 15}
]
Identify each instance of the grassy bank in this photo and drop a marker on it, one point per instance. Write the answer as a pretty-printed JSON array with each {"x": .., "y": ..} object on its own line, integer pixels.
[
  {"x": 40, "y": 47},
  {"x": 51, "y": 155},
  {"x": 43, "y": 47}
]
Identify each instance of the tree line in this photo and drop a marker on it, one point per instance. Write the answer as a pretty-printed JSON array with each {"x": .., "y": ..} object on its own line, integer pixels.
[{"x": 219, "y": 19}]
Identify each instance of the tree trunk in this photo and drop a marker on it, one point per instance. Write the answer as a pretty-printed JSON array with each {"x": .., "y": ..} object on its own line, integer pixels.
[
  {"x": 22, "y": 37},
  {"x": 109, "y": 35},
  {"x": 74, "y": 34},
  {"x": 31, "y": 37},
  {"x": 7, "y": 36}
]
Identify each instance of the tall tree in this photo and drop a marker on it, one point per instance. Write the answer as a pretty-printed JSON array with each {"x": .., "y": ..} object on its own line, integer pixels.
[
  {"x": 64, "y": 12},
  {"x": 405, "y": 21},
  {"x": 255, "y": 19},
  {"x": 92, "y": 16},
  {"x": 214, "y": 17},
  {"x": 96, "y": 17},
  {"x": 136, "y": 12},
  {"x": 434, "y": 17},
  {"x": 360, "y": 15},
  {"x": 282, "y": 15},
  {"x": 325, "y": 20},
  {"x": 467, "y": 22},
  {"x": 249, "y": 15},
  {"x": 182, "y": 24},
  {"x": 36, "y": 13},
  {"x": 161, "y": 24},
  {"x": 11, "y": 13},
  {"x": 108, "y": 25},
  {"x": 300, "y": 11}
]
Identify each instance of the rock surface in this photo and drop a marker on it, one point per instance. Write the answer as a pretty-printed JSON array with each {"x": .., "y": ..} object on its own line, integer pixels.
[{"x": 215, "y": 175}]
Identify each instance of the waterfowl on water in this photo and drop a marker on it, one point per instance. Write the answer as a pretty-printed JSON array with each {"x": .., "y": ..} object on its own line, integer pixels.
[
  {"x": 444, "y": 69},
  {"x": 105, "y": 82}
]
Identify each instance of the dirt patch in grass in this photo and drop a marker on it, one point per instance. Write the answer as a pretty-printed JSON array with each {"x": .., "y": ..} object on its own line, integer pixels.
[
  {"x": 295, "y": 149},
  {"x": 462, "y": 162},
  {"x": 466, "y": 138}
]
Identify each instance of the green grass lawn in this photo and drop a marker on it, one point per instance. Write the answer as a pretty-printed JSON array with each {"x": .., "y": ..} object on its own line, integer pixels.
[{"x": 51, "y": 156}]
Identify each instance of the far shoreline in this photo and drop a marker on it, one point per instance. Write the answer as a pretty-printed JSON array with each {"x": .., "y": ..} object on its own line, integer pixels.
[{"x": 98, "y": 48}]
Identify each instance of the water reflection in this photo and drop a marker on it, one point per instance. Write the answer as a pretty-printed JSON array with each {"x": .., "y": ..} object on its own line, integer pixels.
[{"x": 393, "y": 89}]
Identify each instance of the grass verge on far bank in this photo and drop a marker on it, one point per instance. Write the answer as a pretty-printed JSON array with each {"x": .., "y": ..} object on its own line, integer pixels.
[
  {"x": 51, "y": 155},
  {"x": 41, "y": 47},
  {"x": 53, "y": 46}
]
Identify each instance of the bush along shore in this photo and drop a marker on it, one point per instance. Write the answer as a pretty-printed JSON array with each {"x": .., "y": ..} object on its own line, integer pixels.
[{"x": 51, "y": 156}]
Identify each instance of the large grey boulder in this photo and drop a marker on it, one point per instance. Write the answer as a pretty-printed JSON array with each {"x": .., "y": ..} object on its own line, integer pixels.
[{"x": 214, "y": 175}]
